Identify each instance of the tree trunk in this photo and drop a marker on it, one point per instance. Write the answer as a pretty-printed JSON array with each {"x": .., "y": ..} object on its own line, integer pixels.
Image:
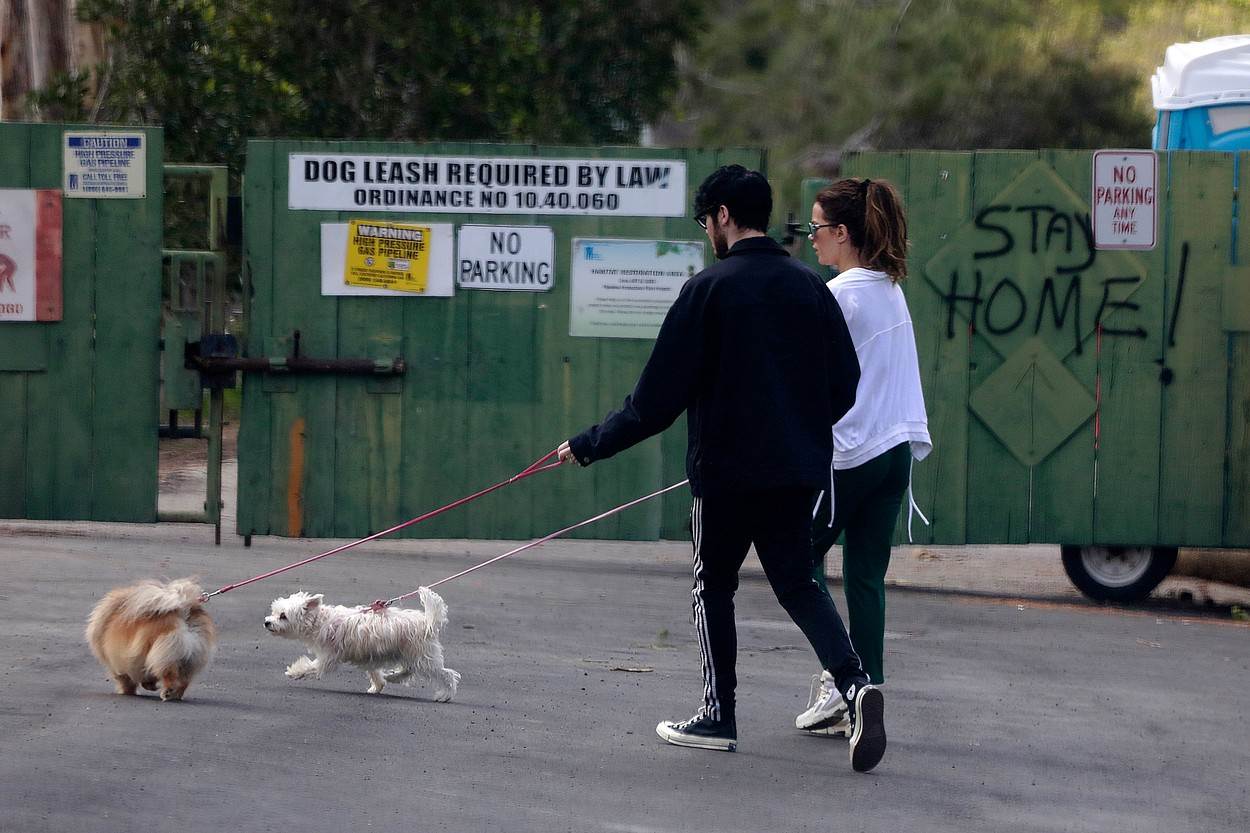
[{"x": 40, "y": 39}]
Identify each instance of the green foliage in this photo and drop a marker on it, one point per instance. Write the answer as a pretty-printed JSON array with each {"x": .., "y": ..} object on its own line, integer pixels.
[
  {"x": 62, "y": 99},
  {"x": 216, "y": 73},
  {"x": 811, "y": 78}
]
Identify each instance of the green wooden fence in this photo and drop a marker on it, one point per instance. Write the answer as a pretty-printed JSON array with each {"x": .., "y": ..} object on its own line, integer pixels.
[
  {"x": 79, "y": 397},
  {"x": 1045, "y": 429},
  {"x": 493, "y": 382}
]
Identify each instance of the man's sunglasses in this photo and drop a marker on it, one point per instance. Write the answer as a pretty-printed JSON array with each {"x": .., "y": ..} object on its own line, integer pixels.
[{"x": 701, "y": 219}]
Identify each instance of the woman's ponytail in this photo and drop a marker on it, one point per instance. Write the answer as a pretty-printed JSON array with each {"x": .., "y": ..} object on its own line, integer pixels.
[
  {"x": 872, "y": 211},
  {"x": 885, "y": 230}
]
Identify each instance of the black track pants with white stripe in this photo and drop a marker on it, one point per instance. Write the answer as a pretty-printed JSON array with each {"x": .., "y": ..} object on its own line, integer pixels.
[{"x": 778, "y": 522}]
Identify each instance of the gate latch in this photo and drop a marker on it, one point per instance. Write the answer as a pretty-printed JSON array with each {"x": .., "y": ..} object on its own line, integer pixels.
[{"x": 216, "y": 356}]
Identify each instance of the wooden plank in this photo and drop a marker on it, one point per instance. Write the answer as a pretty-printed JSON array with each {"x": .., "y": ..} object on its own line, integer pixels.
[
  {"x": 1062, "y": 495},
  {"x": 436, "y": 438},
  {"x": 255, "y": 495},
  {"x": 59, "y": 475},
  {"x": 1236, "y": 531},
  {"x": 1195, "y": 419},
  {"x": 568, "y": 382},
  {"x": 368, "y": 416},
  {"x": 15, "y": 161},
  {"x": 303, "y": 421},
  {"x": 23, "y": 339},
  {"x": 998, "y": 484},
  {"x": 1127, "y": 485},
  {"x": 126, "y": 406},
  {"x": 13, "y": 462},
  {"x": 501, "y": 399},
  {"x": 434, "y": 442},
  {"x": 564, "y": 380},
  {"x": 368, "y": 422},
  {"x": 499, "y": 324},
  {"x": 637, "y": 471},
  {"x": 938, "y": 201}
]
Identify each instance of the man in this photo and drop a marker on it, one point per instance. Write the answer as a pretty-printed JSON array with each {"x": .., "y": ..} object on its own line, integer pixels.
[{"x": 756, "y": 350}]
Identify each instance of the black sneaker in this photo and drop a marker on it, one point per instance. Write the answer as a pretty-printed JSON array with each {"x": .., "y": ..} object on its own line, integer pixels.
[
  {"x": 701, "y": 732},
  {"x": 867, "y": 710}
]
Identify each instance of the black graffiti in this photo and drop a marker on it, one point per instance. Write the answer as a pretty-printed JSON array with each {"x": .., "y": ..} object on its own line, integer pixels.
[
  {"x": 1058, "y": 315},
  {"x": 1180, "y": 290},
  {"x": 1136, "y": 332},
  {"x": 1023, "y": 305},
  {"x": 953, "y": 297},
  {"x": 1006, "y": 307},
  {"x": 1058, "y": 224},
  {"x": 1000, "y": 299}
]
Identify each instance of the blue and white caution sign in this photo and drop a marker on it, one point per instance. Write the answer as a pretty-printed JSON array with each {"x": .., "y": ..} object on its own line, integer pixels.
[{"x": 105, "y": 165}]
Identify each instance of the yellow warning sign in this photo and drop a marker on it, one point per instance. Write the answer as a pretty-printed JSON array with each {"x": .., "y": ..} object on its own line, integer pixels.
[{"x": 387, "y": 255}]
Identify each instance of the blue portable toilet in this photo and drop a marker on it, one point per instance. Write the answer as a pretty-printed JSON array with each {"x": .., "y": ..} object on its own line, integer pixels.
[{"x": 1202, "y": 95}]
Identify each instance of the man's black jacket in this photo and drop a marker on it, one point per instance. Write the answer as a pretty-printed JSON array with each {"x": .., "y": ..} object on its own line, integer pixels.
[{"x": 756, "y": 349}]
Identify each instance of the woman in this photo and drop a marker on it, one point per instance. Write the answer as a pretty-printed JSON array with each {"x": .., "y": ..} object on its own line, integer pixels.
[{"x": 859, "y": 228}]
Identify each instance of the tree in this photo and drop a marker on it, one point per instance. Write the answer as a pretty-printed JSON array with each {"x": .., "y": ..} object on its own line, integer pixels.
[
  {"x": 216, "y": 73},
  {"x": 809, "y": 79}
]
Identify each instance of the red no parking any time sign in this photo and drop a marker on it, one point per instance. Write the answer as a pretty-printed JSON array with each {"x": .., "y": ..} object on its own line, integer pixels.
[
  {"x": 1125, "y": 206},
  {"x": 30, "y": 255}
]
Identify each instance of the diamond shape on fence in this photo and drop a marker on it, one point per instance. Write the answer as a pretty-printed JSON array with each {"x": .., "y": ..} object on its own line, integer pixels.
[{"x": 1032, "y": 403}]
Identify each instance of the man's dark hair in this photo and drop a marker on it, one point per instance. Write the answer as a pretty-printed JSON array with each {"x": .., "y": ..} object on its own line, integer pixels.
[{"x": 746, "y": 194}]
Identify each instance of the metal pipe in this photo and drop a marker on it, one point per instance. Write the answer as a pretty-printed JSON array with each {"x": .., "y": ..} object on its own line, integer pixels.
[{"x": 303, "y": 364}]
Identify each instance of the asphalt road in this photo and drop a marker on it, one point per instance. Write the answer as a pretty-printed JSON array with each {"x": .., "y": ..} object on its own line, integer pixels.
[{"x": 1002, "y": 714}]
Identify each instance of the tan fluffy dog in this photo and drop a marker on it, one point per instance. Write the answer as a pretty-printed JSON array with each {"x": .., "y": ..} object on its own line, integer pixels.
[{"x": 151, "y": 634}]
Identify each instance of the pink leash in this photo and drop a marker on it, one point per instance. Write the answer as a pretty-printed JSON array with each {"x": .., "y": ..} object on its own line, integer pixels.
[
  {"x": 534, "y": 468},
  {"x": 380, "y": 604}
]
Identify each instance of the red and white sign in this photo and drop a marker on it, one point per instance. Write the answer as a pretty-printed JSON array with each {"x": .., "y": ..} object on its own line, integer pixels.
[
  {"x": 1126, "y": 205},
  {"x": 30, "y": 255}
]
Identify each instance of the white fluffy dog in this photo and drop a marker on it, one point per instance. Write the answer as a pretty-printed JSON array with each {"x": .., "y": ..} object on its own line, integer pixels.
[{"x": 390, "y": 644}]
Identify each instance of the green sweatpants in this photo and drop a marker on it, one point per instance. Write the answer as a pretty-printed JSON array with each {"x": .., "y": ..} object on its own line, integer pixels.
[{"x": 866, "y": 503}]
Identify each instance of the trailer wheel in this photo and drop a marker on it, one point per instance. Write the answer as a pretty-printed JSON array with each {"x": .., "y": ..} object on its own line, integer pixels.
[{"x": 1117, "y": 574}]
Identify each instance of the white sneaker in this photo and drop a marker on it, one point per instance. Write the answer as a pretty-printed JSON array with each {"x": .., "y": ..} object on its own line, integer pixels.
[
  {"x": 826, "y": 710},
  {"x": 841, "y": 729}
]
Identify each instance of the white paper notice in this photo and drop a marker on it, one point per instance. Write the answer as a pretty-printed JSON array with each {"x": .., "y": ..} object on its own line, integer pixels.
[{"x": 623, "y": 288}]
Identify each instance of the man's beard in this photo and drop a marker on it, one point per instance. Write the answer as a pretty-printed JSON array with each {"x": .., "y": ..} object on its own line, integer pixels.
[{"x": 720, "y": 243}]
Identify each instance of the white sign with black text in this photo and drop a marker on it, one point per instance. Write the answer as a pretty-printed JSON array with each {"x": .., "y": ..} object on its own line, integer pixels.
[
  {"x": 516, "y": 258},
  {"x": 1125, "y": 199},
  {"x": 105, "y": 165},
  {"x": 486, "y": 185},
  {"x": 623, "y": 288}
]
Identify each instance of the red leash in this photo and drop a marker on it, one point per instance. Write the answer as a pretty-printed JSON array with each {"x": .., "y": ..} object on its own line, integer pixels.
[
  {"x": 380, "y": 604},
  {"x": 534, "y": 468}
]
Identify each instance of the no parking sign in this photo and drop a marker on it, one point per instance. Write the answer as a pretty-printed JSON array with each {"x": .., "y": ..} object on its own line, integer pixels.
[{"x": 1126, "y": 209}]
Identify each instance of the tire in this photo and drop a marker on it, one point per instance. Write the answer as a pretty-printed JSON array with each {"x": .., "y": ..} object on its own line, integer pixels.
[{"x": 1117, "y": 574}]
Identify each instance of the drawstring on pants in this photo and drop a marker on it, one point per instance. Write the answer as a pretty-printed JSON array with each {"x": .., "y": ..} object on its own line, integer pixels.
[{"x": 912, "y": 506}]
